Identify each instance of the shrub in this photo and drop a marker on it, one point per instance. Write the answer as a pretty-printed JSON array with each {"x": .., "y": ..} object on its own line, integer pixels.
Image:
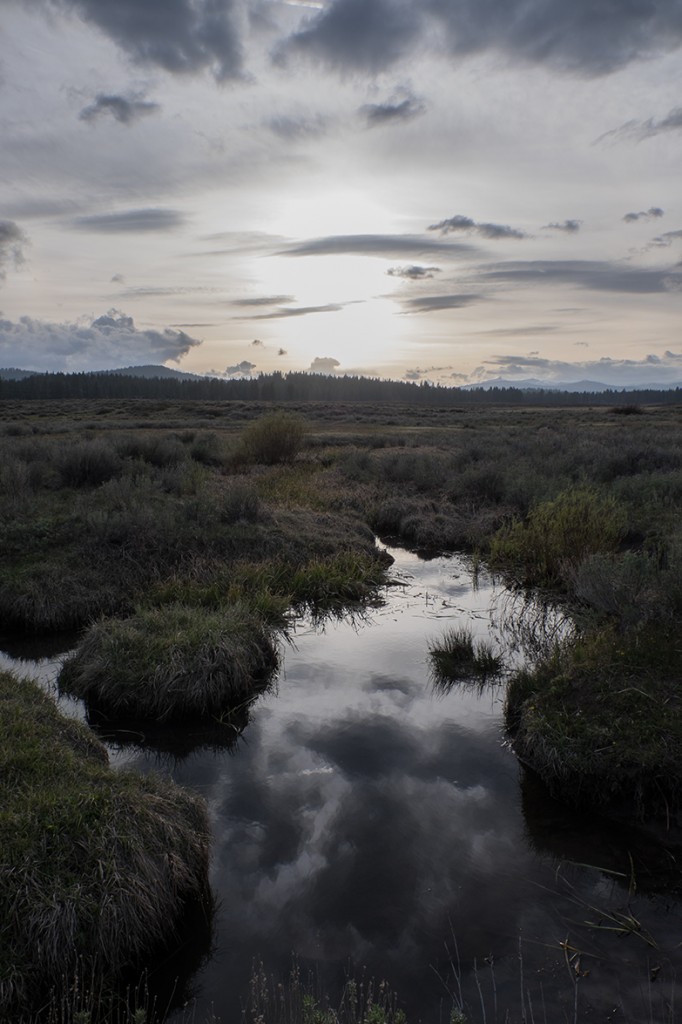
[
  {"x": 275, "y": 437},
  {"x": 160, "y": 452},
  {"x": 85, "y": 463},
  {"x": 560, "y": 532},
  {"x": 629, "y": 587}
]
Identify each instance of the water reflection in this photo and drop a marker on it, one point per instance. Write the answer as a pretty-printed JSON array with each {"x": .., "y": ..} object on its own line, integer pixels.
[{"x": 363, "y": 817}]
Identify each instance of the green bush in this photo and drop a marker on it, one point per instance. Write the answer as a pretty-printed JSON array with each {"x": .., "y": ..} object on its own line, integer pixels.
[
  {"x": 558, "y": 533},
  {"x": 274, "y": 438}
]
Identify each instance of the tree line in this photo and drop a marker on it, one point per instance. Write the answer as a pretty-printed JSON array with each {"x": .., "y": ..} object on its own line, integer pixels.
[{"x": 298, "y": 386}]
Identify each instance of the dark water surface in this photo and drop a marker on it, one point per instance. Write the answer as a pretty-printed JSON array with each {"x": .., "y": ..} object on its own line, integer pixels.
[{"x": 363, "y": 819}]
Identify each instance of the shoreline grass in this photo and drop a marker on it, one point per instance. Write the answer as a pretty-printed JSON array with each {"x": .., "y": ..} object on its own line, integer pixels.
[
  {"x": 600, "y": 721},
  {"x": 95, "y": 865}
]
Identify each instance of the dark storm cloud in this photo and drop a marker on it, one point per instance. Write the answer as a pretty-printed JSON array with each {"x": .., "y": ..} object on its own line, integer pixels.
[
  {"x": 413, "y": 273},
  {"x": 375, "y": 245},
  {"x": 284, "y": 312},
  {"x": 569, "y": 226},
  {"x": 377, "y": 114},
  {"x": 110, "y": 341},
  {"x": 434, "y": 303},
  {"x": 124, "y": 109},
  {"x": 581, "y": 37},
  {"x": 12, "y": 242},
  {"x": 466, "y": 224},
  {"x": 365, "y": 35},
  {"x": 650, "y": 214},
  {"x": 647, "y": 129},
  {"x": 151, "y": 219},
  {"x": 181, "y": 36},
  {"x": 593, "y": 274}
]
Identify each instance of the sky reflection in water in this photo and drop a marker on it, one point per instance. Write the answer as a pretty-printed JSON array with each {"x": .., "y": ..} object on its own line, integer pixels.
[{"x": 364, "y": 817}]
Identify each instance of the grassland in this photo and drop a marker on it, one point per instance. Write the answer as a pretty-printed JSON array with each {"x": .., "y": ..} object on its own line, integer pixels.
[{"x": 180, "y": 538}]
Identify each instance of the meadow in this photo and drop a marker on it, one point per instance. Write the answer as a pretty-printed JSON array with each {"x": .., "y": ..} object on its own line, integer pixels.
[{"x": 179, "y": 540}]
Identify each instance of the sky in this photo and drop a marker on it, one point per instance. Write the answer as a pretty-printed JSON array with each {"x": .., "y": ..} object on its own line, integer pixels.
[{"x": 443, "y": 190}]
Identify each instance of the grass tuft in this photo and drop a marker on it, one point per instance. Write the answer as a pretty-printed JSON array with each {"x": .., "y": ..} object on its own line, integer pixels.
[
  {"x": 172, "y": 662},
  {"x": 456, "y": 656}
]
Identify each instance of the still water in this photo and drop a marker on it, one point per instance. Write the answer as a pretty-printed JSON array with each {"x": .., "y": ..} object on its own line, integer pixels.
[{"x": 365, "y": 820}]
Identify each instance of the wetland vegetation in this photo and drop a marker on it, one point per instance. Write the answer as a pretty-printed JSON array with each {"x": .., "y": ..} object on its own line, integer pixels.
[{"x": 181, "y": 539}]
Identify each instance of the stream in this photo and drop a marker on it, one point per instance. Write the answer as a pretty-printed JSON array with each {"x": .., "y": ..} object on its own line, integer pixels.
[{"x": 375, "y": 825}]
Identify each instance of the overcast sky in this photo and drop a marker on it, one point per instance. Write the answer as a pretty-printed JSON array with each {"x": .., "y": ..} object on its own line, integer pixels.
[{"x": 444, "y": 189}]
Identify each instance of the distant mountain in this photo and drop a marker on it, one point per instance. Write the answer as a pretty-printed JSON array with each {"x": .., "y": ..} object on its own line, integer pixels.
[
  {"x": 12, "y": 373},
  {"x": 149, "y": 372},
  {"x": 578, "y": 386}
]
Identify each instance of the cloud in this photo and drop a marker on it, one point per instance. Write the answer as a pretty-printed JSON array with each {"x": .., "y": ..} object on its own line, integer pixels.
[
  {"x": 434, "y": 303},
  {"x": 150, "y": 219},
  {"x": 12, "y": 242},
  {"x": 466, "y": 224},
  {"x": 579, "y": 38},
  {"x": 292, "y": 129},
  {"x": 324, "y": 364},
  {"x": 242, "y": 369},
  {"x": 124, "y": 109},
  {"x": 647, "y": 129},
  {"x": 413, "y": 273},
  {"x": 521, "y": 332},
  {"x": 666, "y": 239},
  {"x": 362, "y": 35},
  {"x": 389, "y": 246},
  {"x": 650, "y": 214},
  {"x": 569, "y": 226},
  {"x": 181, "y": 36},
  {"x": 264, "y": 300},
  {"x": 108, "y": 342},
  {"x": 652, "y": 369},
  {"x": 376, "y": 114},
  {"x": 283, "y": 313},
  {"x": 418, "y": 374},
  {"x": 593, "y": 274}
]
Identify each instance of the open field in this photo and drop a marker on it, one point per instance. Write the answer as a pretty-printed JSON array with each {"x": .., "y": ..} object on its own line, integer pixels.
[{"x": 181, "y": 538}]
